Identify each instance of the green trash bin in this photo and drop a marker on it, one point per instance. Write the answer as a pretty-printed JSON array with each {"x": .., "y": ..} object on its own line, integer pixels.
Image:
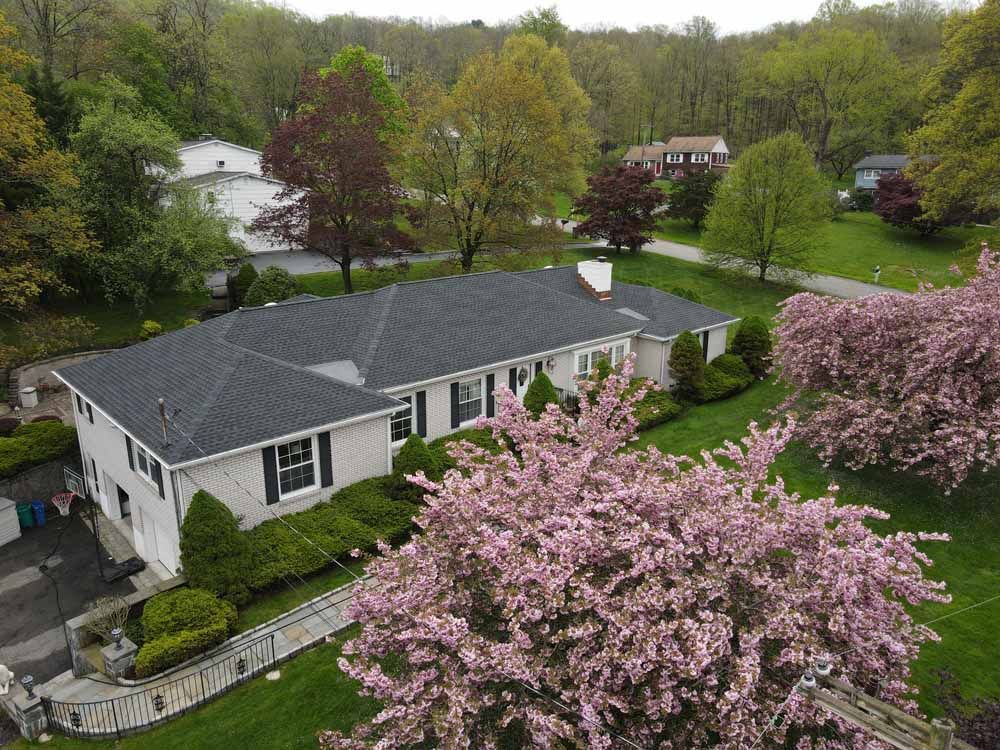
[{"x": 24, "y": 517}]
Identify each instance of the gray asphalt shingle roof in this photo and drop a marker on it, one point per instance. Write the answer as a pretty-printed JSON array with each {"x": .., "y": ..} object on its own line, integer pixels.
[
  {"x": 883, "y": 161},
  {"x": 244, "y": 378}
]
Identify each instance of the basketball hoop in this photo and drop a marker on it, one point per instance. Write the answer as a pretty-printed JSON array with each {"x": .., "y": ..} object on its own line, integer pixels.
[{"x": 62, "y": 501}]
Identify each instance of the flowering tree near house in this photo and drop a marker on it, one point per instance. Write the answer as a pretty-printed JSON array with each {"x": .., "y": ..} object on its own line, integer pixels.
[
  {"x": 911, "y": 381},
  {"x": 669, "y": 601}
]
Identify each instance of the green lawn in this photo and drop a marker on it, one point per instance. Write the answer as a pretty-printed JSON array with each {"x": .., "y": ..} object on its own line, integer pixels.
[
  {"x": 970, "y": 563},
  {"x": 312, "y": 695},
  {"x": 858, "y": 241},
  {"x": 270, "y": 604}
]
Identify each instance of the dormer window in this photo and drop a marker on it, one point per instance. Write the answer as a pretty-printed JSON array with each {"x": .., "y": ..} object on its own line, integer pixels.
[{"x": 220, "y": 163}]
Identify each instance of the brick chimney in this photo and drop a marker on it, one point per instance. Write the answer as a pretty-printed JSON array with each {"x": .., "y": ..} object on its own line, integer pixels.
[{"x": 595, "y": 277}]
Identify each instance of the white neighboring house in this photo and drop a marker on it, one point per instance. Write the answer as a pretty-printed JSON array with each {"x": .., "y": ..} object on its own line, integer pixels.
[
  {"x": 229, "y": 176},
  {"x": 271, "y": 409}
]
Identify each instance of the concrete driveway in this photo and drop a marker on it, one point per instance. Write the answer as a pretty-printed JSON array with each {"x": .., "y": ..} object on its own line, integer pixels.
[{"x": 31, "y": 632}]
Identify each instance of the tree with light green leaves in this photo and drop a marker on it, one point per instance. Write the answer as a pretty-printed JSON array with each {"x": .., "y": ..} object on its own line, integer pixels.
[
  {"x": 770, "y": 210},
  {"x": 355, "y": 57},
  {"x": 832, "y": 79},
  {"x": 962, "y": 128},
  {"x": 544, "y": 23}
]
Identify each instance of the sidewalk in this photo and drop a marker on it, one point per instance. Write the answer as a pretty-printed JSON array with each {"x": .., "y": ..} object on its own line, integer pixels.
[{"x": 298, "y": 630}]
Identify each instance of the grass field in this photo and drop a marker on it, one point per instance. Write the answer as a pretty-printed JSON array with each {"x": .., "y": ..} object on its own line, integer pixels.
[{"x": 858, "y": 241}]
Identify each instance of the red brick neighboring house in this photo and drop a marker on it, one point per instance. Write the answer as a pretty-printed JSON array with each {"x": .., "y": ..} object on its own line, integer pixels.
[
  {"x": 649, "y": 156},
  {"x": 695, "y": 153}
]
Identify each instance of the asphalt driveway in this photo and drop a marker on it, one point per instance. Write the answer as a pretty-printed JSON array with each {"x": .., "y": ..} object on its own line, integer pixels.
[{"x": 31, "y": 633}]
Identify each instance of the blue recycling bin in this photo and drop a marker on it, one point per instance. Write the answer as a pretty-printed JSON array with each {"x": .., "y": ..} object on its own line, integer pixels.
[{"x": 38, "y": 510}]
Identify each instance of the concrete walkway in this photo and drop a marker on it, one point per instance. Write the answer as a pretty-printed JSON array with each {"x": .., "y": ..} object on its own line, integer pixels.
[{"x": 298, "y": 630}]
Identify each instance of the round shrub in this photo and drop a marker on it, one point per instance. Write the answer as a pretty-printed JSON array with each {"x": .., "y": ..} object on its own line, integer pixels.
[
  {"x": 718, "y": 385},
  {"x": 273, "y": 285},
  {"x": 178, "y": 625},
  {"x": 752, "y": 344},
  {"x": 149, "y": 329},
  {"x": 861, "y": 200},
  {"x": 414, "y": 456},
  {"x": 189, "y": 322},
  {"x": 215, "y": 554},
  {"x": 245, "y": 278},
  {"x": 685, "y": 293},
  {"x": 655, "y": 408},
  {"x": 687, "y": 367},
  {"x": 540, "y": 392},
  {"x": 35, "y": 443},
  {"x": 734, "y": 367}
]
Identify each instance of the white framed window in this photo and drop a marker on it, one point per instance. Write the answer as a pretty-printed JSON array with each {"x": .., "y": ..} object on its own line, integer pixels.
[
  {"x": 470, "y": 399},
  {"x": 587, "y": 361},
  {"x": 873, "y": 174},
  {"x": 675, "y": 158},
  {"x": 220, "y": 163},
  {"x": 401, "y": 422},
  {"x": 700, "y": 158},
  {"x": 144, "y": 464},
  {"x": 721, "y": 158},
  {"x": 296, "y": 466}
]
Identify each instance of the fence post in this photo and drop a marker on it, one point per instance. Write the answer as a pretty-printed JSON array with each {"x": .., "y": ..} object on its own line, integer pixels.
[
  {"x": 942, "y": 732},
  {"x": 114, "y": 714},
  {"x": 204, "y": 690}
]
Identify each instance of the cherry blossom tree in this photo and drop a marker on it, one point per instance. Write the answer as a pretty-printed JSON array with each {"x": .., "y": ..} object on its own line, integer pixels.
[
  {"x": 910, "y": 381},
  {"x": 667, "y": 600}
]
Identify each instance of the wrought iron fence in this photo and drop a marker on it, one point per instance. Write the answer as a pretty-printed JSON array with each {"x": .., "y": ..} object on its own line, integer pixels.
[{"x": 135, "y": 712}]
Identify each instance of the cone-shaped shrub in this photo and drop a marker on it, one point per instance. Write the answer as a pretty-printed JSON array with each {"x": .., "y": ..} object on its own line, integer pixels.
[
  {"x": 687, "y": 367},
  {"x": 540, "y": 392},
  {"x": 753, "y": 344},
  {"x": 215, "y": 554},
  {"x": 414, "y": 456}
]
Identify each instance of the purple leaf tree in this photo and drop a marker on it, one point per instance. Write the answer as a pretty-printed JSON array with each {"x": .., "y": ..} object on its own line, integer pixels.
[
  {"x": 667, "y": 600},
  {"x": 909, "y": 381}
]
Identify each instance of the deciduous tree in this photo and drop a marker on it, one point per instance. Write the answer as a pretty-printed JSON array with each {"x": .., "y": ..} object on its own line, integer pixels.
[
  {"x": 909, "y": 381},
  {"x": 619, "y": 205},
  {"x": 692, "y": 195},
  {"x": 340, "y": 199},
  {"x": 898, "y": 204},
  {"x": 565, "y": 588},
  {"x": 770, "y": 210},
  {"x": 488, "y": 154}
]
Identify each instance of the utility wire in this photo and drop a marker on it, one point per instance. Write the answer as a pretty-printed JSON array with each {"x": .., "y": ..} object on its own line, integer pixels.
[{"x": 358, "y": 579}]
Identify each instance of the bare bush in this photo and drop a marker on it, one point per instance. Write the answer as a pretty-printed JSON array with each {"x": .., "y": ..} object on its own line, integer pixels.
[{"x": 105, "y": 614}]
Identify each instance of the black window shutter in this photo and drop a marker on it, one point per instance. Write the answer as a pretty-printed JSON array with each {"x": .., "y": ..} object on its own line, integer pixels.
[
  {"x": 704, "y": 346},
  {"x": 490, "y": 385},
  {"x": 538, "y": 367},
  {"x": 325, "y": 460},
  {"x": 90, "y": 414},
  {"x": 79, "y": 403},
  {"x": 422, "y": 413},
  {"x": 270, "y": 475},
  {"x": 512, "y": 379},
  {"x": 128, "y": 449},
  {"x": 455, "y": 421},
  {"x": 157, "y": 475}
]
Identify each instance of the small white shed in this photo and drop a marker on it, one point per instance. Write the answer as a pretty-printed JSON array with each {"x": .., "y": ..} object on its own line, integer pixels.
[{"x": 10, "y": 529}]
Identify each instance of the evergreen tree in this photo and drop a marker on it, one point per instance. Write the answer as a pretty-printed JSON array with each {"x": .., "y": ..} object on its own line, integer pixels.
[
  {"x": 215, "y": 554},
  {"x": 414, "y": 456},
  {"x": 540, "y": 392},
  {"x": 753, "y": 344},
  {"x": 687, "y": 367}
]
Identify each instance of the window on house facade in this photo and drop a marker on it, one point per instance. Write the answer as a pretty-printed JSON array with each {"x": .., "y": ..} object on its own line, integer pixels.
[
  {"x": 401, "y": 422},
  {"x": 873, "y": 174},
  {"x": 220, "y": 163},
  {"x": 587, "y": 361},
  {"x": 296, "y": 466},
  {"x": 144, "y": 464},
  {"x": 470, "y": 399},
  {"x": 675, "y": 158},
  {"x": 699, "y": 158},
  {"x": 721, "y": 158}
]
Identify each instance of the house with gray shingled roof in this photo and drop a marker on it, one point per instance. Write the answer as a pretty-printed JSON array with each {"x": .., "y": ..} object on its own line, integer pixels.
[{"x": 272, "y": 409}]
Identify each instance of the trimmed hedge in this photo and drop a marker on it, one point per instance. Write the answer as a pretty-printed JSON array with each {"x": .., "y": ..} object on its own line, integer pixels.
[
  {"x": 655, "y": 408},
  {"x": 35, "y": 443},
  {"x": 274, "y": 284},
  {"x": 439, "y": 447},
  {"x": 180, "y": 624},
  {"x": 725, "y": 378},
  {"x": 215, "y": 554},
  {"x": 367, "y": 502},
  {"x": 414, "y": 456}
]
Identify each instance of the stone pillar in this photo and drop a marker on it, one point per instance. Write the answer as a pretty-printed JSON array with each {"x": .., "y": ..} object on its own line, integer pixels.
[
  {"x": 28, "y": 714},
  {"x": 118, "y": 659}
]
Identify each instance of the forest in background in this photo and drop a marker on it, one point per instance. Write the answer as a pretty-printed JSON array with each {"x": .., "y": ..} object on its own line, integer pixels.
[{"x": 234, "y": 68}]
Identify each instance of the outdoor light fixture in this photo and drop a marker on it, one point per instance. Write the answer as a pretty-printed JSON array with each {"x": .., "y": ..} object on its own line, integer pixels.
[
  {"x": 550, "y": 364},
  {"x": 28, "y": 683},
  {"x": 241, "y": 666},
  {"x": 158, "y": 703},
  {"x": 522, "y": 375},
  {"x": 75, "y": 719},
  {"x": 116, "y": 636}
]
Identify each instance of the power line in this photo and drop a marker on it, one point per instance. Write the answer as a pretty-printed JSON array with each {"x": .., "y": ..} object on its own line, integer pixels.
[{"x": 359, "y": 580}]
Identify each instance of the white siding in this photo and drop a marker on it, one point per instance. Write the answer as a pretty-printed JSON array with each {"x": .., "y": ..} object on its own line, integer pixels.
[
  {"x": 358, "y": 451},
  {"x": 648, "y": 358},
  {"x": 154, "y": 519},
  {"x": 204, "y": 158},
  {"x": 242, "y": 198},
  {"x": 717, "y": 342}
]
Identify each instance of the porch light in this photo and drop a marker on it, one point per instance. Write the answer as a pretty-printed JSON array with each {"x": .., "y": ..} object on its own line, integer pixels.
[
  {"x": 550, "y": 364},
  {"x": 75, "y": 719},
  {"x": 241, "y": 666},
  {"x": 28, "y": 683},
  {"x": 158, "y": 703}
]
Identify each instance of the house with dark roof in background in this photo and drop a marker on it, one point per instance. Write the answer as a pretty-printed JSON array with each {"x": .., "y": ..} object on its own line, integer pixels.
[
  {"x": 874, "y": 166},
  {"x": 271, "y": 409},
  {"x": 229, "y": 177},
  {"x": 680, "y": 156}
]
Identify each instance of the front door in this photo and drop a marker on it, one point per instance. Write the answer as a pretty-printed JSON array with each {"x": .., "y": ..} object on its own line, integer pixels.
[{"x": 123, "y": 503}]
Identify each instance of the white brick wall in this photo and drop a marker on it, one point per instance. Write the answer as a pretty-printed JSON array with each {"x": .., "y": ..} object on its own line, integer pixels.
[
  {"x": 358, "y": 451},
  {"x": 153, "y": 518}
]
